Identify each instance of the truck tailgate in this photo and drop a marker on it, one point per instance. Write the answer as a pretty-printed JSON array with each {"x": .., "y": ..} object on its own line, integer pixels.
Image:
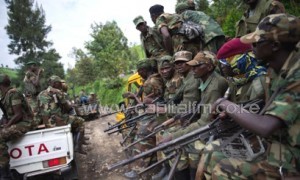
[{"x": 42, "y": 150}]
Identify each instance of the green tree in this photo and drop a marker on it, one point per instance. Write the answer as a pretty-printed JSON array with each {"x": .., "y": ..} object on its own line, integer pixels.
[
  {"x": 85, "y": 68},
  {"x": 27, "y": 31},
  {"x": 292, "y": 7},
  {"x": 109, "y": 50}
]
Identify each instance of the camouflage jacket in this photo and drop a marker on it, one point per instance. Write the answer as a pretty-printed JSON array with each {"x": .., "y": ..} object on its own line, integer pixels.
[
  {"x": 264, "y": 8},
  {"x": 30, "y": 88},
  {"x": 152, "y": 43},
  {"x": 286, "y": 106},
  {"x": 211, "y": 90},
  {"x": 13, "y": 97},
  {"x": 210, "y": 27},
  {"x": 252, "y": 90},
  {"x": 153, "y": 85},
  {"x": 50, "y": 103},
  {"x": 171, "y": 21},
  {"x": 172, "y": 86}
]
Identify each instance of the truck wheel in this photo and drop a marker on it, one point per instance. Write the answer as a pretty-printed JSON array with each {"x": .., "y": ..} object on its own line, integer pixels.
[{"x": 72, "y": 174}]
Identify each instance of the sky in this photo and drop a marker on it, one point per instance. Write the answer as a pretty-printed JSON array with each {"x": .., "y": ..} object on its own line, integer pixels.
[{"x": 71, "y": 22}]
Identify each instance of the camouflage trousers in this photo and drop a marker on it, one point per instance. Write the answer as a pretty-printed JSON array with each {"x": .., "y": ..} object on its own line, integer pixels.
[
  {"x": 183, "y": 161},
  {"x": 77, "y": 123},
  {"x": 7, "y": 134},
  {"x": 219, "y": 167},
  {"x": 144, "y": 127},
  {"x": 32, "y": 101}
]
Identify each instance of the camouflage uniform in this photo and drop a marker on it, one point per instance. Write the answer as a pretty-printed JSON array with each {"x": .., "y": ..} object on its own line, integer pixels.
[
  {"x": 154, "y": 87},
  {"x": 263, "y": 8},
  {"x": 51, "y": 103},
  {"x": 172, "y": 86},
  {"x": 188, "y": 95},
  {"x": 151, "y": 40},
  {"x": 31, "y": 91},
  {"x": 11, "y": 98},
  {"x": 214, "y": 36},
  {"x": 283, "y": 148},
  {"x": 180, "y": 42},
  {"x": 212, "y": 89}
]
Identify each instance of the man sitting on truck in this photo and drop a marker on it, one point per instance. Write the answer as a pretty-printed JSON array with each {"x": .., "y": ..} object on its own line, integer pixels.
[
  {"x": 16, "y": 120},
  {"x": 54, "y": 111}
]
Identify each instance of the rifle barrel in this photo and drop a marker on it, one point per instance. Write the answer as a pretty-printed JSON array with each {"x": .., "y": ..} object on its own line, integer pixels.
[{"x": 160, "y": 147}]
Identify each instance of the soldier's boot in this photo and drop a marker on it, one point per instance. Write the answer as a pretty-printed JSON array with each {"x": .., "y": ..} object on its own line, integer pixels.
[
  {"x": 5, "y": 173},
  {"x": 162, "y": 173},
  {"x": 79, "y": 143}
]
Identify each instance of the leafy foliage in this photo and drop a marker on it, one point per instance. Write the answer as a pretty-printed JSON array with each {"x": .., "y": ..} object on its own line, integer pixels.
[
  {"x": 109, "y": 49},
  {"x": 27, "y": 31}
]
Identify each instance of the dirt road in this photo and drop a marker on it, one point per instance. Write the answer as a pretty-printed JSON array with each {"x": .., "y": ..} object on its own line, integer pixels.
[{"x": 104, "y": 150}]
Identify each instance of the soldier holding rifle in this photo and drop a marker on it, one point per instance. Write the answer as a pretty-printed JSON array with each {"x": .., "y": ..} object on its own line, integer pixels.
[{"x": 275, "y": 42}]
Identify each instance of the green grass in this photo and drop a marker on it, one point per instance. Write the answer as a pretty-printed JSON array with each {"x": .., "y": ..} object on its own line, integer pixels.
[{"x": 11, "y": 73}]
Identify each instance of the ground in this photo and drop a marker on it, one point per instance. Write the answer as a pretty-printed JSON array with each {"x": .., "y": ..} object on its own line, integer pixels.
[{"x": 103, "y": 150}]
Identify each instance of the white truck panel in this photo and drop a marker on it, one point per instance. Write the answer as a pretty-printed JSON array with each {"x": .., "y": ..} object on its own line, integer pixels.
[{"x": 28, "y": 153}]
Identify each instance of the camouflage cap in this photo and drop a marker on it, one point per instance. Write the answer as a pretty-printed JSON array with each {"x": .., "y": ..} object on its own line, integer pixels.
[
  {"x": 164, "y": 61},
  {"x": 203, "y": 57},
  {"x": 183, "y": 56},
  {"x": 180, "y": 7},
  {"x": 31, "y": 63},
  {"x": 275, "y": 27},
  {"x": 55, "y": 78},
  {"x": 145, "y": 63},
  {"x": 138, "y": 20}
]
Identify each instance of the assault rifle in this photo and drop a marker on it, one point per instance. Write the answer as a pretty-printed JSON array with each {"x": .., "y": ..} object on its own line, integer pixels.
[
  {"x": 187, "y": 117},
  {"x": 129, "y": 121},
  {"x": 215, "y": 128}
]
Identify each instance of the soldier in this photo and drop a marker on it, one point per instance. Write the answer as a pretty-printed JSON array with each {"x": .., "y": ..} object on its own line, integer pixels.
[
  {"x": 241, "y": 68},
  {"x": 187, "y": 97},
  {"x": 32, "y": 84},
  {"x": 153, "y": 88},
  {"x": 170, "y": 26},
  {"x": 257, "y": 10},
  {"x": 16, "y": 120},
  {"x": 172, "y": 79},
  {"x": 151, "y": 40},
  {"x": 276, "y": 42},
  {"x": 212, "y": 87},
  {"x": 214, "y": 36},
  {"x": 54, "y": 108}
]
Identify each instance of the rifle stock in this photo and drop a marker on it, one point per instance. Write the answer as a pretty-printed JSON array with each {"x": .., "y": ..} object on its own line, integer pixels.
[{"x": 214, "y": 128}]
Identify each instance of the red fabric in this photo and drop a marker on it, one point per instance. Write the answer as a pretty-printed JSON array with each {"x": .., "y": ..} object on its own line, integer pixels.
[{"x": 233, "y": 47}]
